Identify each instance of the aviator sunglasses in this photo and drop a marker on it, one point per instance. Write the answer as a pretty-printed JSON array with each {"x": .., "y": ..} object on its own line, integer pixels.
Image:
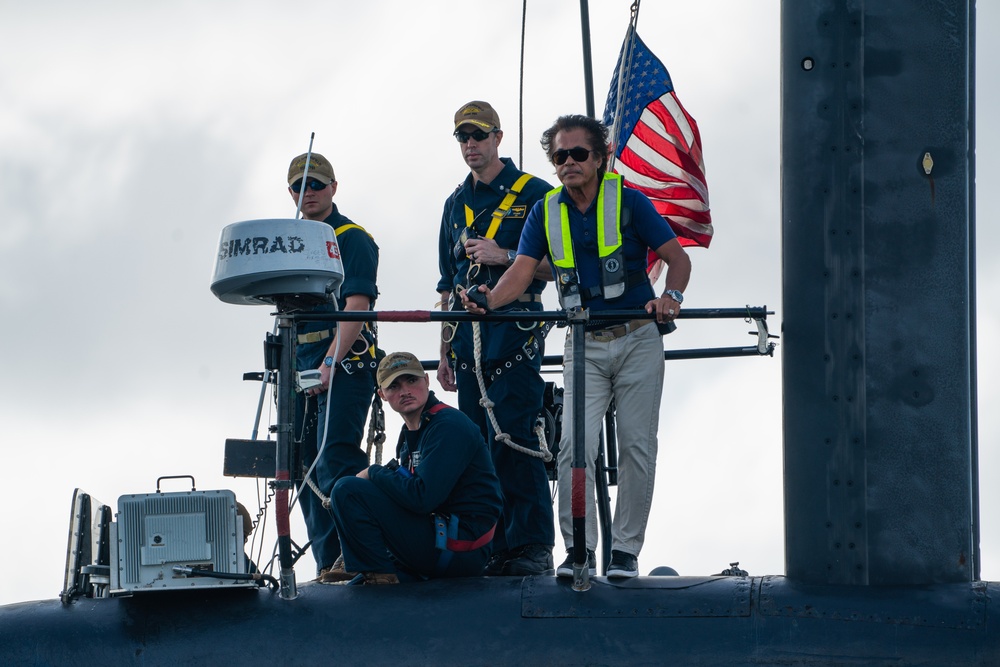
[
  {"x": 579, "y": 154},
  {"x": 478, "y": 135},
  {"x": 313, "y": 184}
]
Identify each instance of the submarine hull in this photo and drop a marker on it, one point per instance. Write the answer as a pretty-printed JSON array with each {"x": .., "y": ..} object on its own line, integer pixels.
[{"x": 504, "y": 620}]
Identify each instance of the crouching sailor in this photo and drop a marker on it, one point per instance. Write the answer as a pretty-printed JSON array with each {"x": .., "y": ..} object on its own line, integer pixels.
[{"x": 433, "y": 510}]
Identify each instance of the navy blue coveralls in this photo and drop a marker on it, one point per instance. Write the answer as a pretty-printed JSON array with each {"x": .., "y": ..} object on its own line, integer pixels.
[
  {"x": 352, "y": 389},
  {"x": 511, "y": 357},
  {"x": 444, "y": 469}
]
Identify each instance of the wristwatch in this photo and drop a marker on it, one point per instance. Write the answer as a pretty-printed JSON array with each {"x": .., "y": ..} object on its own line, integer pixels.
[
  {"x": 675, "y": 295},
  {"x": 511, "y": 256},
  {"x": 328, "y": 362}
]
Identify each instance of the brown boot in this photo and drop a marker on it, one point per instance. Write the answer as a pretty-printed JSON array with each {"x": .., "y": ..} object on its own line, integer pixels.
[
  {"x": 370, "y": 579},
  {"x": 336, "y": 572},
  {"x": 375, "y": 578}
]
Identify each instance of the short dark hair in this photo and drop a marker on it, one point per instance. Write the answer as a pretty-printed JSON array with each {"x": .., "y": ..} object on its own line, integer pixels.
[{"x": 597, "y": 134}]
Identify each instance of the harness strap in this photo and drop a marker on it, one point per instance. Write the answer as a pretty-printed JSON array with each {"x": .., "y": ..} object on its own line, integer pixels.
[
  {"x": 528, "y": 352},
  {"x": 631, "y": 280},
  {"x": 343, "y": 228},
  {"x": 354, "y": 364},
  {"x": 501, "y": 211},
  {"x": 445, "y": 540},
  {"x": 430, "y": 412},
  {"x": 472, "y": 545},
  {"x": 318, "y": 336},
  {"x": 441, "y": 532}
]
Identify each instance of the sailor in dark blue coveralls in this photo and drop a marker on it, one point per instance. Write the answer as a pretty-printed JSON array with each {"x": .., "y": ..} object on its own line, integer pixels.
[
  {"x": 479, "y": 233},
  {"x": 347, "y": 352},
  {"x": 433, "y": 512}
]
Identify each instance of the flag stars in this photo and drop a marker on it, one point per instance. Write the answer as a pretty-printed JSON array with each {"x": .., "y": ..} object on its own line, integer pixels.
[{"x": 628, "y": 101}]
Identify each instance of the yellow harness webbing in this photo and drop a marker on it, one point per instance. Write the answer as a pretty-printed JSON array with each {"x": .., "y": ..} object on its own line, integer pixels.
[
  {"x": 501, "y": 212},
  {"x": 351, "y": 225},
  {"x": 367, "y": 325}
]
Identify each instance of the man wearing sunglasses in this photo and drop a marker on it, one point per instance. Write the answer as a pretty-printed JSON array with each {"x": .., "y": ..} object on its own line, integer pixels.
[
  {"x": 345, "y": 353},
  {"x": 480, "y": 230},
  {"x": 596, "y": 234}
]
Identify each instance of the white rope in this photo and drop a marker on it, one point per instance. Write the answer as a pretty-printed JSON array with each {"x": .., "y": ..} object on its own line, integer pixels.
[
  {"x": 326, "y": 423},
  {"x": 488, "y": 404},
  {"x": 319, "y": 494}
]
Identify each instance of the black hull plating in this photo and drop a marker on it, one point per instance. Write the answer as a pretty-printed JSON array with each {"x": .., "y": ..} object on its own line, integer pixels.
[{"x": 504, "y": 621}]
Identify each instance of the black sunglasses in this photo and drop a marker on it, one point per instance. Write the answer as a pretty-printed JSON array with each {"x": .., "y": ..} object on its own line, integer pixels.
[
  {"x": 478, "y": 135},
  {"x": 579, "y": 154},
  {"x": 313, "y": 185}
]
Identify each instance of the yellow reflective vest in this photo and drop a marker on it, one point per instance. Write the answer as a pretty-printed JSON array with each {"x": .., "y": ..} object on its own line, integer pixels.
[{"x": 609, "y": 243}]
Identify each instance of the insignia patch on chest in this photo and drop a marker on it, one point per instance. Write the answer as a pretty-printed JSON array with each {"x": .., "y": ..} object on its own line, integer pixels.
[
  {"x": 612, "y": 265},
  {"x": 517, "y": 211}
]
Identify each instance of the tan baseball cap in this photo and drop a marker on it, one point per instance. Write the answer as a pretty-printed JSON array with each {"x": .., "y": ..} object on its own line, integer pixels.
[
  {"x": 319, "y": 168},
  {"x": 478, "y": 113},
  {"x": 396, "y": 364}
]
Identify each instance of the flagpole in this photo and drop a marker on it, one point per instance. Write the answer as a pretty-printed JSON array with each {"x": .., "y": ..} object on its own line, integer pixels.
[
  {"x": 588, "y": 68},
  {"x": 624, "y": 66}
]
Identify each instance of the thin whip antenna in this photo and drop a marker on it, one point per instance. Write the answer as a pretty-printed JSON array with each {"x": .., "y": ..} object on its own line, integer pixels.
[
  {"x": 520, "y": 94},
  {"x": 305, "y": 175}
]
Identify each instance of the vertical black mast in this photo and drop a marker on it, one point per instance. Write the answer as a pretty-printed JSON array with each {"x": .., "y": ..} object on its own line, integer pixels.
[
  {"x": 588, "y": 68},
  {"x": 878, "y": 212}
]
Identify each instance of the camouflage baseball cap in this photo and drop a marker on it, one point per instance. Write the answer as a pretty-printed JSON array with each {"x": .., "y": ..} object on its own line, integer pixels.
[
  {"x": 396, "y": 364},
  {"x": 319, "y": 168},
  {"x": 478, "y": 113}
]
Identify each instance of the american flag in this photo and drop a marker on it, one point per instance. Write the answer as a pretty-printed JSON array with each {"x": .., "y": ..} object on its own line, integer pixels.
[{"x": 656, "y": 142}]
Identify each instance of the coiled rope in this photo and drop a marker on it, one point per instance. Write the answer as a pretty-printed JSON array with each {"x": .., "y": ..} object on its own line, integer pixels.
[{"x": 487, "y": 403}]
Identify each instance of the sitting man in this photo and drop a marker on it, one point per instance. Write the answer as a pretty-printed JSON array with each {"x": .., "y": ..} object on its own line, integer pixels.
[{"x": 432, "y": 514}]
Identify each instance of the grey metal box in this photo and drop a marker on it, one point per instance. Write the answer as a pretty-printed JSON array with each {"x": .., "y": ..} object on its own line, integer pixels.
[{"x": 157, "y": 531}]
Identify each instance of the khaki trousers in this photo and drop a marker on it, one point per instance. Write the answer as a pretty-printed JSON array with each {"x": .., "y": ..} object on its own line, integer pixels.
[{"x": 630, "y": 370}]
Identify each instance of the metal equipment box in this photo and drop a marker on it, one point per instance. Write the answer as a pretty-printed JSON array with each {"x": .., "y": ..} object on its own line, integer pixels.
[{"x": 157, "y": 532}]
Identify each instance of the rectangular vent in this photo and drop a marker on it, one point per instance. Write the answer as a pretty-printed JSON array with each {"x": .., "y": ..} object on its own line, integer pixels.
[{"x": 198, "y": 529}]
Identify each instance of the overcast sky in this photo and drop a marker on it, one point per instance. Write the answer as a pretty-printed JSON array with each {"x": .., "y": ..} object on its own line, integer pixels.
[{"x": 132, "y": 133}]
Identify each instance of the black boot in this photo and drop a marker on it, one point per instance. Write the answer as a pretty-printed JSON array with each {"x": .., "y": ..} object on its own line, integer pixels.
[
  {"x": 528, "y": 560},
  {"x": 494, "y": 566}
]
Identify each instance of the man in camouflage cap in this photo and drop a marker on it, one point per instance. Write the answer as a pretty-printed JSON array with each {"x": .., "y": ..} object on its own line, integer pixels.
[{"x": 477, "y": 242}]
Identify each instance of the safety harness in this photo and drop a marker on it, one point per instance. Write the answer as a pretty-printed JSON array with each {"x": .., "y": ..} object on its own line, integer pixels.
[
  {"x": 366, "y": 345},
  {"x": 499, "y": 213},
  {"x": 502, "y": 210},
  {"x": 485, "y": 401},
  {"x": 364, "y": 350},
  {"x": 445, "y": 525},
  {"x": 530, "y": 348},
  {"x": 612, "y": 220},
  {"x": 445, "y": 540}
]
